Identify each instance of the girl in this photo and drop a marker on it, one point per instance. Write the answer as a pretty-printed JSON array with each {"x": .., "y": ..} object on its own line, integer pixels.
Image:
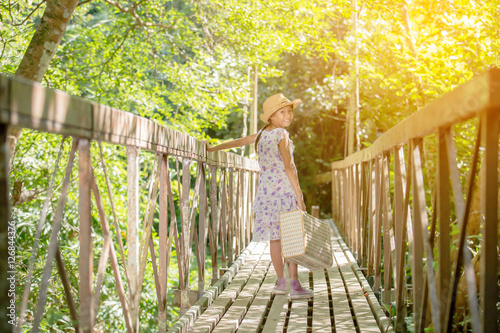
[{"x": 278, "y": 190}]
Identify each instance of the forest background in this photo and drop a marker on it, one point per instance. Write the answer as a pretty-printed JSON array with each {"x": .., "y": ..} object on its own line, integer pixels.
[{"x": 188, "y": 65}]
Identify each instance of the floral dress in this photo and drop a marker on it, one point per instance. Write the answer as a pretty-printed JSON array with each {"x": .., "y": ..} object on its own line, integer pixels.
[{"x": 275, "y": 194}]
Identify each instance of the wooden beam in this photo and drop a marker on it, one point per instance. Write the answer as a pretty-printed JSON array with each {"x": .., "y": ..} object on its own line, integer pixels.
[
  {"x": 86, "y": 256},
  {"x": 462, "y": 103}
]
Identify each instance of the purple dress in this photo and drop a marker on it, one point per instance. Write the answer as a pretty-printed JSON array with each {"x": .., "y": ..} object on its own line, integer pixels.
[{"x": 275, "y": 194}]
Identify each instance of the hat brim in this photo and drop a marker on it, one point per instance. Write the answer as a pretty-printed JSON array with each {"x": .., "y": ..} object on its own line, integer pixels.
[{"x": 265, "y": 116}]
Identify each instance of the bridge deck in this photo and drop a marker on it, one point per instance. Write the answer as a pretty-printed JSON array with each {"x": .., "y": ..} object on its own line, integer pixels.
[{"x": 343, "y": 300}]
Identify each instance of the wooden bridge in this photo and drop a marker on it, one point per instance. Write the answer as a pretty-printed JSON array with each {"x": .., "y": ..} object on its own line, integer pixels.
[{"x": 391, "y": 211}]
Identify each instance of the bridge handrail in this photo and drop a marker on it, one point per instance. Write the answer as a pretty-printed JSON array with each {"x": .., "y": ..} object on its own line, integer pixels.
[
  {"x": 381, "y": 191},
  {"x": 62, "y": 113},
  {"x": 216, "y": 215},
  {"x": 464, "y": 102}
]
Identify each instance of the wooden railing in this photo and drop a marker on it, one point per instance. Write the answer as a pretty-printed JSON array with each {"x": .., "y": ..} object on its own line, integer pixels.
[
  {"x": 219, "y": 211},
  {"x": 381, "y": 203}
]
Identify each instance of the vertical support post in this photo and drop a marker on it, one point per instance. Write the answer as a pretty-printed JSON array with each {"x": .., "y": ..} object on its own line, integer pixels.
[
  {"x": 133, "y": 231},
  {"x": 387, "y": 224},
  {"x": 8, "y": 314},
  {"x": 489, "y": 203},
  {"x": 163, "y": 234},
  {"x": 377, "y": 239},
  {"x": 400, "y": 195},
  {"x": 86, "y": 257},
  {"x": 443, "y": 211},
  {"x": 215, "y": 221},
  {"x": 230, "y": 216},
  {"x": 202, "y": 234}
]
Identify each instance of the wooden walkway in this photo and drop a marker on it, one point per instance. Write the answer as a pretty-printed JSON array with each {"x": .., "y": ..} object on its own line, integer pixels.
[{"x": 343, "y": 301}]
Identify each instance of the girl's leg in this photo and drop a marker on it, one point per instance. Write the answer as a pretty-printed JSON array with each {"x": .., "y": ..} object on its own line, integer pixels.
[
  {"x": 277, "y": 260},
  {"x": 296, "y": 290}
]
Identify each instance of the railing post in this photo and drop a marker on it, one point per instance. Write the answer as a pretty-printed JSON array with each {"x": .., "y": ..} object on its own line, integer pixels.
[
  {"x": 133, "y": 231},
  {"x": 8, "y": 314},
  {"x": 86, "y": 256},
  {"x": 489, "y": 254},
  {"x": 443, "y": 211}
]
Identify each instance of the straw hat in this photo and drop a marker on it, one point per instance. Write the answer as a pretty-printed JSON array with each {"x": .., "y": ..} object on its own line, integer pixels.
[{"x": 274, "y": 103}]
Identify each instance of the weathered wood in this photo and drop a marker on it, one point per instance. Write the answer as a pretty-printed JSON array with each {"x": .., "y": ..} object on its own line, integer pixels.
[
  {"x": 489, "y": 207},
  {"x": 67, "y": 289},
  {"x": 322, "y": 320},
  {"x": 214, "y": 230},
  {"x": 209, "y": 319},
  {"x": 379, "y": 188},
  {"x": 231, "y": 320},
  {"x": 115, "y": 219},
  {"x": 380, "y": 316},
  {"x": 36, "y": 242},
  {"x": 230, "y": 215},
  {"x": 257, "y": 310},
  {"x": 133, "y": 231},
  {"x": 460, "y": 104},
  {"x": 56, "y": 227},
  {"x": 223, "y": 218},
  {"x": 163, "y": 240},
  {"x": 361, "y": 308},
  {"x": 422, "y": 223},
  {"x": 462, "y": 214},
  {"x": 298, "y": 309},
  {"x": 112, "y": 258},
  {"x": 400, "y": 194},
  {"x": 276, "y": 317},
  {"x": 443, "y": 209},
  {"x": 28, "y": 104},
  {"x": 387, "y": 229},
  {"x": 371, "y": 208},
  {"x": 187, "y": 320},
  {"x": 341, "y": 310},
  {"x": 86, "y": 253}
]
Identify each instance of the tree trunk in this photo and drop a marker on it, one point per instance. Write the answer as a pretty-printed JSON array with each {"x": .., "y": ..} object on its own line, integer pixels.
[{"x": 42, "y": 48}]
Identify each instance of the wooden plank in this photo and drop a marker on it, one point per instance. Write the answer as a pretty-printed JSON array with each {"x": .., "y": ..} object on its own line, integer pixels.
[
  {"x": 133, "y": 231},
  {"x": 462, "y": 103},
  {"x": 387, "y": 228},
  {"x": 489, "y": 207},
  {"x": 56, "y": 227},
  {"x": 36, "y": 242},
  {"x": 377, "y": 255},
  {"x": 163, "y": 239},
  {"x": 86, "y": 257},
  {"x": 231, "y": 320},
  {"x": 276, "y": 317},
  {"x": 299, "y": 307},
  {"x": 257, "y": 310},
  {"x": 422, "y": 223},
  {"x": 210, "y": 295},
  {"x": 322, "y": 320},
  {"x": 364, "y": 316},
  {"x": 443, "y": 211},
  {"x": 400, "y": 193},
  {"x": 383, "y": 322},
  {"x": 209, "y": 319},
  {"x": 341, "y": 310},
  {"x": 114, "y": 263}
]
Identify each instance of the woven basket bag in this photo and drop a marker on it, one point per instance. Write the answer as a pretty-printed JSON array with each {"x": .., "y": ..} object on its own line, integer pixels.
[{"x": 305, "y": 240}]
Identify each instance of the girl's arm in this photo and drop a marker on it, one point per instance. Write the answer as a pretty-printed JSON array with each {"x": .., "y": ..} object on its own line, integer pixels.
[
  {"x": 291, "y": 171},
  {"x": 233, "y": 143}
]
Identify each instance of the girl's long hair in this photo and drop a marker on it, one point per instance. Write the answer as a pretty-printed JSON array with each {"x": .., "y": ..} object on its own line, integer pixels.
[{"x": 258, "y": 137}]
